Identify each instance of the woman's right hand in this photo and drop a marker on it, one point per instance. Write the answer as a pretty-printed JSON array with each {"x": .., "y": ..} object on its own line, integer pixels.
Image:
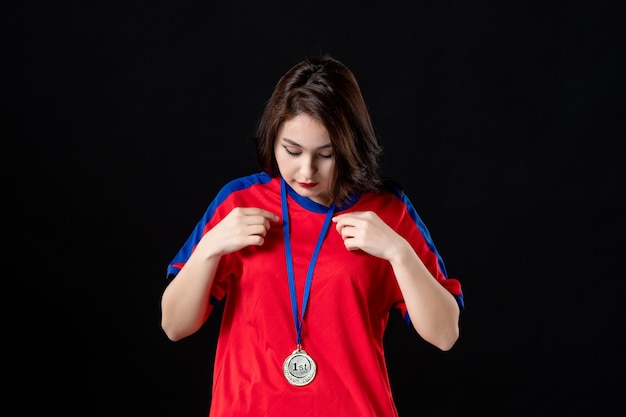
[{"x": 243, "y": 226}]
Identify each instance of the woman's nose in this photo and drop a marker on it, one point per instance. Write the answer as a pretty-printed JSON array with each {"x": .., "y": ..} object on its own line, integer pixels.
[{"x": 308, "y": 168}]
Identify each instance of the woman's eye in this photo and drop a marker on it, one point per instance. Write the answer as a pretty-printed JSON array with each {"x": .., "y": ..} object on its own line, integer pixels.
[
  {"x": 291, "y": 152},
  {"x": 297, "y": 152}
]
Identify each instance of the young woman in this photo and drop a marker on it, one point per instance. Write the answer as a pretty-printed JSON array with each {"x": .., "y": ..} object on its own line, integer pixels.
[{"x": 310, "y": 255}]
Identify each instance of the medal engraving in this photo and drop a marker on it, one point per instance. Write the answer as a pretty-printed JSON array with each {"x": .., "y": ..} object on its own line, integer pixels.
[{"x": 299, "y": 368}]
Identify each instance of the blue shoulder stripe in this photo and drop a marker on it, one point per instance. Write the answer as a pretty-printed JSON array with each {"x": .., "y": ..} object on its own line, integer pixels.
[
  {"x": 421, "y": 226},
  {"x": 429, "y": 242},
  {"x": 197, "y": 233}
]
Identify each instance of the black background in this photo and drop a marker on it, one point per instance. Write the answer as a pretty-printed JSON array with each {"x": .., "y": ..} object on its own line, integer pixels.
[{"x": 502, "y": 120}]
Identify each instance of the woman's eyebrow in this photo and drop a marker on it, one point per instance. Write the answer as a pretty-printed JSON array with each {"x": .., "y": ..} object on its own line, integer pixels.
[{"x": 294, "y": 143}]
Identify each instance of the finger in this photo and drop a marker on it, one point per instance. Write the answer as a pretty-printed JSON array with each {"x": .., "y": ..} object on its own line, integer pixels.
[
  {"x": 338, "y": 218},
  {"x": 340, "y": 228},
  {"x": 259, "y": 230},
  {"x": 252, "y": 211},
  {"x": 256, "y": 220},
  {"x": 257, "y": 240},
  {"x": 346, "y": 231},
  {"x": 350, "y": 244},
  {"x": 346, "y": 222},
  {"x": 351, "y": 215}
]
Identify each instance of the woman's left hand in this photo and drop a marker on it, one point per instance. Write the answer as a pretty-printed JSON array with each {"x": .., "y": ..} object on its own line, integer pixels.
[{"x": 366, "y": 231}]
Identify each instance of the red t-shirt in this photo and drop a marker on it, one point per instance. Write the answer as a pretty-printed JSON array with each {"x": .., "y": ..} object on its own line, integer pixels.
[{"x": 351, "y": 296}]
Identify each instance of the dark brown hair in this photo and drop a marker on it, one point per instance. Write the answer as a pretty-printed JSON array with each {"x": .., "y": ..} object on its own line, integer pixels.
[{"x": 326, "y": 90}]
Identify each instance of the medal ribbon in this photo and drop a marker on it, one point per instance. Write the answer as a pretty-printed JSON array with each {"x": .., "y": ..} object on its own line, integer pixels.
[{"x": 298, "y": 319}]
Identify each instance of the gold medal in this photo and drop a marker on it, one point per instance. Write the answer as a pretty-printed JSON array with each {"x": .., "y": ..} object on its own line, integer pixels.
[{"x": 299, "y": 368}]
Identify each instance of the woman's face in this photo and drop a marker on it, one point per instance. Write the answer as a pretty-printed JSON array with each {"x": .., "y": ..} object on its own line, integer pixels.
[{"x": 305, "y": 158}]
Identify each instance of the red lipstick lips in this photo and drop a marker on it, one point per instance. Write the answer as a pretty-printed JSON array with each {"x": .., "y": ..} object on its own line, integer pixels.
[{"x": 308, "y": 184}]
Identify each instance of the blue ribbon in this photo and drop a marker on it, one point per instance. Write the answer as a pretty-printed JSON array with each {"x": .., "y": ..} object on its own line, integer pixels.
[{"x": 298, "y": 319}]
